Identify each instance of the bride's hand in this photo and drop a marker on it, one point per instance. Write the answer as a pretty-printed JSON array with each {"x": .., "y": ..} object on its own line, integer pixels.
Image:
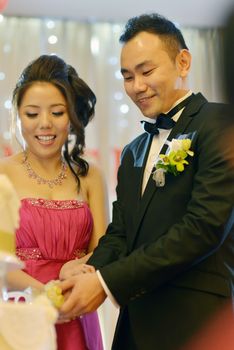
[{"x": 74, "y": 267}]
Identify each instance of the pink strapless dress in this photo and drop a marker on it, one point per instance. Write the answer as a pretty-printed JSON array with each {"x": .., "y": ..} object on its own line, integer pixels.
[{"x": 51, "y": 233}]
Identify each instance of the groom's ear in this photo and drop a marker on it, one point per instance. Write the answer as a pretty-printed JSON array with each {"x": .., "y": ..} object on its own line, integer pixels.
[{"x": 183, "y": 62}]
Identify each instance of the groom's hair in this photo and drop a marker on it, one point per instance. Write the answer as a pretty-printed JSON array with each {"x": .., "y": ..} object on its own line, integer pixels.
[{"x": 156, "y": 24}]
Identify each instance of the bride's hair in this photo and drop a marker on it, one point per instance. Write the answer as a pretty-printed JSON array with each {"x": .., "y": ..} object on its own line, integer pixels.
[{"x": 80, "y": 102}]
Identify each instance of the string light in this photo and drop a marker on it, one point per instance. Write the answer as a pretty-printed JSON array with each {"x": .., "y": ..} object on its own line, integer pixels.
[
  {"x": 116, "y": 28},
  {"x": 2, "y": 76},
  {"x": 52, "y": 39},
  {"x": 50, "y": 24},
  {"x": 113, "y": 60},
  {"x": 118, "y": 75},
  {"x": 123, "y": 123},
  {"x": 8, "y": 104},
  {"x": 7, "y": 48},
  {"x": 124, "y": 108},
  {"x": 94, "y": 45},
  {"x": 118, "y": 96}
]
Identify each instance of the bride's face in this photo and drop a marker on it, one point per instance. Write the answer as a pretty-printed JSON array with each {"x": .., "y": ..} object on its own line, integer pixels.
[{"x": 44, "y": 119}]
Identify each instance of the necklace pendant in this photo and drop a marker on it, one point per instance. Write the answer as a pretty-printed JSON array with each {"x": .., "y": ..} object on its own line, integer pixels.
[{"x": 40, "y": 180}]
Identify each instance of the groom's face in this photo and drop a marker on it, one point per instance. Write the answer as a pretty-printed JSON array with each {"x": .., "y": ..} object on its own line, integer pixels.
[{"x": 152, "y": 79}]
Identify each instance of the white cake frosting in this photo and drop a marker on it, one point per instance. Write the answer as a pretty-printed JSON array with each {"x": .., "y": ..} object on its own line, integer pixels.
[
  {"x": 9, "y": 221},
  {"x": 28, "y": 326},
  {"x": 23, "y": 326},
  {"x": 9, "y": 206}
]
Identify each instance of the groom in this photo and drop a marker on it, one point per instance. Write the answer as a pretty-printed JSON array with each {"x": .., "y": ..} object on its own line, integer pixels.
[{"x": 167, "y": 257}]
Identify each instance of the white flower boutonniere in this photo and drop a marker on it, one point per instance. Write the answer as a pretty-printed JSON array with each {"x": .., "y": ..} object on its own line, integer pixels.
[{"x": 174, "y": 161}]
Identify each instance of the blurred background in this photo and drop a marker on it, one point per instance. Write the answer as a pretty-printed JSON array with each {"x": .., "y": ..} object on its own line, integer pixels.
[{"x": 85, "y": 34}]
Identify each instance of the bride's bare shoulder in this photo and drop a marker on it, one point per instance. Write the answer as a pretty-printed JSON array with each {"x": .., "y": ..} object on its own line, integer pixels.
[{"x": 9, "y": 164}]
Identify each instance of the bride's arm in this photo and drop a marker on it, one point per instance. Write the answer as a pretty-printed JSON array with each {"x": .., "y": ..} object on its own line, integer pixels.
[
  {"x": 94, "y": 187},
  {"x": 98, "y": 204},
  {"x": 19, "y": 280}
]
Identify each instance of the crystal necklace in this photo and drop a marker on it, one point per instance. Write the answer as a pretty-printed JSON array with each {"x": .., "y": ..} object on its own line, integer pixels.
[{"x": 40, "y": 180}]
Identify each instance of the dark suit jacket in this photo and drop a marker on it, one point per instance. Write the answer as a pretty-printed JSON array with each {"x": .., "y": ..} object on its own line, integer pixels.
[{"x": 168, "y": 257}]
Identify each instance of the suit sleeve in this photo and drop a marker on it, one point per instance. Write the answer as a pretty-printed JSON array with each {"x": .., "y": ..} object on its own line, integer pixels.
[{"x": 197, "y": 235}]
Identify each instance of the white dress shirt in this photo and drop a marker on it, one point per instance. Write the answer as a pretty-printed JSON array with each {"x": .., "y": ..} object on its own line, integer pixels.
[{"x": 157, "y": 144}]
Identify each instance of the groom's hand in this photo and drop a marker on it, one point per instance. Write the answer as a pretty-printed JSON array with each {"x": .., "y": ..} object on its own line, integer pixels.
[
  {"x": 86, "y": 295},
  {"x": 74, "y": 267}
]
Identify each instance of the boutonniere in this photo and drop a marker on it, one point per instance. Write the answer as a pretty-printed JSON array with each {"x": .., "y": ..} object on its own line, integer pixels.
[{"x": 173, "y": 161}]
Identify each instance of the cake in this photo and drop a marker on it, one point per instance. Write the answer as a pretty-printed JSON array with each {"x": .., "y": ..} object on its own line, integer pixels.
[
  {"x": 23, "y": 326},
  {"x": 28, "y": 326},
  {"x": 9, "y": 215}
]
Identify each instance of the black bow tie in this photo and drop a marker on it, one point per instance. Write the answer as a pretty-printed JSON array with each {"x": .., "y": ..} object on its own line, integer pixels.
[{"x": 164, "y": 121}]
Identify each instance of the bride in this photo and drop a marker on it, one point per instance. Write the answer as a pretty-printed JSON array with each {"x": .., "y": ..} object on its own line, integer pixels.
[{"x": 63, "y": 199}]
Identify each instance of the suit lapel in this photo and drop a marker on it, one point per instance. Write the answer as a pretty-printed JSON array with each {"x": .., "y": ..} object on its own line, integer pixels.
[
  {"x": 140, "y": 154},
  {"x": 192, "y": 109},
  {"x": 141, "y": 163}
]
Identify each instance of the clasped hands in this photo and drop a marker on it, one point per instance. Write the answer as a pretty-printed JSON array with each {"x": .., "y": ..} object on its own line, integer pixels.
[{"x": 82, "y": 290}]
